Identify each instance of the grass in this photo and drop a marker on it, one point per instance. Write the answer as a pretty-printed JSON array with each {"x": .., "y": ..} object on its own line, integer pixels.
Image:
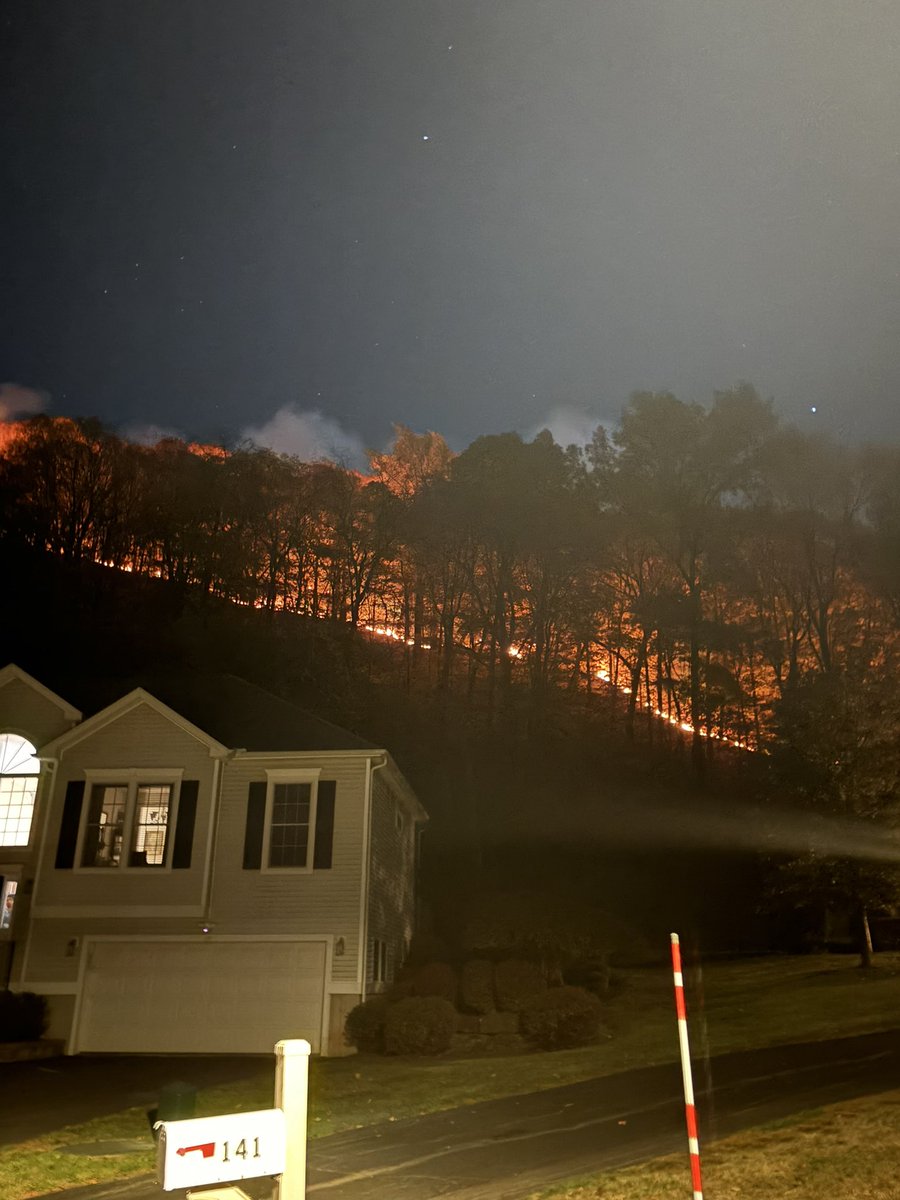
[
  {"x": 851, "y": 1150},
  {"x": 732, "y": 1006}
]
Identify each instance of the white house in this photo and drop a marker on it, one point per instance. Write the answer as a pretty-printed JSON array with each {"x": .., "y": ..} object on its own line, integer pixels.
[{"x": 198, "y": 866}]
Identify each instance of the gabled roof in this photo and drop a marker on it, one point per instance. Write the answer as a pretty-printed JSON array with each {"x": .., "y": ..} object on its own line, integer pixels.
[
  {"x": 125, "y": 704},
  {"x": 12, "y": 672},
  {"x": 233, "y": 712},
  {"x": 245, "y": 716}
]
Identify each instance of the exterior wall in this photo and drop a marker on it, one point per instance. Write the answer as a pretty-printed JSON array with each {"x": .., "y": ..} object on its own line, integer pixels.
[
  {"x": 61, "y": 1010},
  {"x": 314, "y": 902},
  {"x": 31, "y": 714},
  {"x": 341, "y": 1004},
  {"x": 391, "y": 905},
  {"x": 55, "y": 945},
  {"x": 141, "y": 739}
]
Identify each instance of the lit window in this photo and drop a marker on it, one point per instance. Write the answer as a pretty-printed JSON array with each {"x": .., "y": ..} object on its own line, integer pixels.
[
  {"x": 133, "y": 814},
  {"x": 19, "y": 770},
  {"x": 102, "y": 846},
  {"x": 151, "y": 825},
  {"x": 8, "y": 903}
]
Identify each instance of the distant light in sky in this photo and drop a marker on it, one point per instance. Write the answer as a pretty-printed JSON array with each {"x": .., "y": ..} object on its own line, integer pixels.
[
  {"x": 425, "y": 137},
  {"x": 812, "y": 408}
]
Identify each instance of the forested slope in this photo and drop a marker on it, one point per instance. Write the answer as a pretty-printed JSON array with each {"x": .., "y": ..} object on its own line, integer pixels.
[{"x": 583, "y": 657}]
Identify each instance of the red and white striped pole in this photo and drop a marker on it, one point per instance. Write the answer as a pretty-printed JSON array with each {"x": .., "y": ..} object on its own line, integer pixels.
[{"x": 689, "y": 1109}]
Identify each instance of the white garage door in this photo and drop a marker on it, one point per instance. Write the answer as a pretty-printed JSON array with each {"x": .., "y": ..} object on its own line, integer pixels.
[{"x": 201, "y": 997}]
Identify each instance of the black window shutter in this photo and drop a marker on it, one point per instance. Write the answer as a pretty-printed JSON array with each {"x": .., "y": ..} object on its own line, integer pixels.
[
  {"x": 68, "y": 830},
  {"x": 253, "y": 833},
  {"x": 184, "y": 829},
  {"x": 324, "y": 824}
]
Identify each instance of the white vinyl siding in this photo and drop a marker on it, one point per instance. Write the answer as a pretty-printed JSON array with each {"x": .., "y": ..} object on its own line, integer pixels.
[
  {"x": 287, "y": 901},
  {"x": 29, "y": 713},
  {"x": 56, "y": 943},
  {"x": 138, "y": 744}
]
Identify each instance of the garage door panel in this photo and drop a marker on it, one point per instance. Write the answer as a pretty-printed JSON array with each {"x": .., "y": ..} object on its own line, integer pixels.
[{"x": 201, "y": 997}]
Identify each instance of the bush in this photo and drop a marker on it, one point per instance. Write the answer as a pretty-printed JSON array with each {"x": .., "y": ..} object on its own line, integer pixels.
[
  {"x": 23, "y": 1016},
  {"x": 419, "y": 1025},
  {"x": 426, "y": 948},
  {"x": 476, "y": 986},
  {"x": 435, "y": 979},
  {"x": 516, "y": 982},
  {"x": 561, "y": 1018},
  {"x": 404, "y": 985},
  {"x": 364, "y": 1027},
  {"x": 594, "y": 974}
]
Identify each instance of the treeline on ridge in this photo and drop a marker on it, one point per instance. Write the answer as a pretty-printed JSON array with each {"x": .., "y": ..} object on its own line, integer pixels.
[{"x": 696, "y": 563}]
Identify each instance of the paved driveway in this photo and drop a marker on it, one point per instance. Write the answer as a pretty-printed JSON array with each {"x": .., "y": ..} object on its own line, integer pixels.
[
  {"x": 53, "y": 1092},
  {"x": 505, "y": 1149}
]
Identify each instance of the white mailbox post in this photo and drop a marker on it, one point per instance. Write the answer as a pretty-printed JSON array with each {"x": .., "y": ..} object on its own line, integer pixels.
[{"x": 208, "y": 1151}]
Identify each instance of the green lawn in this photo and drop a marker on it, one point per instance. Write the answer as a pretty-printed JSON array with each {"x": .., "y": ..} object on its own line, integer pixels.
[
  {"x": 731, "y": 1006},
  {"x": 825, "y": 1153}
]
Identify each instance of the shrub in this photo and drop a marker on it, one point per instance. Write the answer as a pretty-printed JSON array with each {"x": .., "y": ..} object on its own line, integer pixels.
[
  {"x": 594, "y": 974},
  {"x": 435, "y": 979},
  {"x": 364, "y": 1027},
  {"x": 561, "y": 1018},
  {"x": 23, "y": 1016},
  {"x": 517, "y": 981},
  {"x": 476, "y": 986},
  {"x": 419, "y": 1025},
  {"x": 404, "y": 985},
  {"x": 426, "y": 948}
]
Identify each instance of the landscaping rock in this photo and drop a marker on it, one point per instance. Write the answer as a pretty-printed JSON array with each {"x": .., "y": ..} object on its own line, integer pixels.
[{"x": 23, "y": 1051}]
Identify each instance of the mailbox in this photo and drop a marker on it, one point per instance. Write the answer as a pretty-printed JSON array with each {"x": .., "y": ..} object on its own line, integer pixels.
[{"x": 210, "y": 1150}]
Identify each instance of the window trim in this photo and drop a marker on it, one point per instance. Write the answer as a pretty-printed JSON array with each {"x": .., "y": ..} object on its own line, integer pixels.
[
  {"x": 310, "y": 775},
  {"x": 132, "y": 778},
  {"x": 379, "y": 960}
]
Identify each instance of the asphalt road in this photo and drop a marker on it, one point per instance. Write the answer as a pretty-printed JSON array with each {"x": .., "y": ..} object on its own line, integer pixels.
[{"x": 505, "y": 1149}]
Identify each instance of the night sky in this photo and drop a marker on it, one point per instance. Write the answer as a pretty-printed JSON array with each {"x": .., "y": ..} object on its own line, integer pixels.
[{"x": 308, "y": 219}]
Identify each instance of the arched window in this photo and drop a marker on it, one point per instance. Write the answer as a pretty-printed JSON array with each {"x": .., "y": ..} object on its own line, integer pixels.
[{"x": 19, "y": 770}]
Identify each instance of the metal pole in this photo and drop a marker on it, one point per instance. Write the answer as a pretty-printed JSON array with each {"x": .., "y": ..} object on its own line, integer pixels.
[
  {"x": 690, "y": 1111},
  {"x": 291, "y": 1087}
]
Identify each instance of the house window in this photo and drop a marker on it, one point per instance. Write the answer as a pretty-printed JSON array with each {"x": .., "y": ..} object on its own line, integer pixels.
[
  {"x": 289, "y": 826},
  {"x": 19, "y": 770},
  {"x": 290, "y": 822},
  {"x": 102, "y": 846},
  {"x": 8, "y": 889},
  {"x": 128, "y": 823},
  {"x": 151, "y": 824}
]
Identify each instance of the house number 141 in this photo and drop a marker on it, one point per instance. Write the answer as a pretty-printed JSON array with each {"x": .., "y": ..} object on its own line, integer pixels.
[{"x": 240, "y": 1150}]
